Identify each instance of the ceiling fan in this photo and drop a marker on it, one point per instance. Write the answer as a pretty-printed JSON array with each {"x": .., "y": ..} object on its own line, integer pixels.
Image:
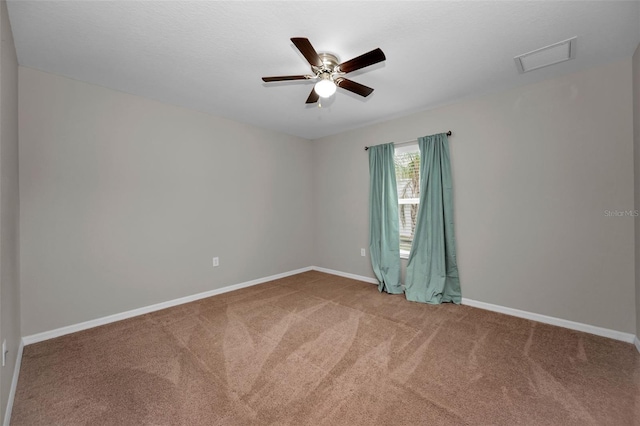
[{"x": 329, "y": 72}]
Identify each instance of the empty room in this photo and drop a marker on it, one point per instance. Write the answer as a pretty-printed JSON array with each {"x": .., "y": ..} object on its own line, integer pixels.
[{"x": 319, "y": 213}]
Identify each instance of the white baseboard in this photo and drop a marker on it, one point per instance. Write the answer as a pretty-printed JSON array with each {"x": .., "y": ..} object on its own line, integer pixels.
[
  {"x": 592, "y": 329},
  {"x": 345, "y": 274},
  {"x": 14, "y": 385},
  {"x": 587, "y": 328},
  {"x": 46, "y": 335},
  {"x": 637, "y": 342}
]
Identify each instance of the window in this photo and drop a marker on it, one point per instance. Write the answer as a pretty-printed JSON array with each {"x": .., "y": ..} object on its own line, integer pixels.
[{"x": 407, "y": 162}]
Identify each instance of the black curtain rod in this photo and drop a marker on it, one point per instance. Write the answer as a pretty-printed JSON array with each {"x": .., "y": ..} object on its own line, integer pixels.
[{"x": 448, "y": 134}]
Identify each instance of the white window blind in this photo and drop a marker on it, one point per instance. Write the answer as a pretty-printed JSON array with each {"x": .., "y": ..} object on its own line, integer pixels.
[{"x": 407, "y": 164}]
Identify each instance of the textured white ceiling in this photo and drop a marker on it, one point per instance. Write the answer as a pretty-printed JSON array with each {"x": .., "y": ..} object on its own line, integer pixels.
[{"x": 210, "y": 55}]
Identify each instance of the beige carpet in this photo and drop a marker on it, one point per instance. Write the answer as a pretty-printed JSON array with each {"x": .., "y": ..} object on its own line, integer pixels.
[{"x": 315, "y": 349}]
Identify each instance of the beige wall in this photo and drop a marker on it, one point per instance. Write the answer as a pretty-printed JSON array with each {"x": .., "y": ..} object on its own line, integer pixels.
[
  {"x": 636, "y": 157},
  {"x": 9, "y": 206},
  {"x": 124, "y": 202},
  {"x": 534, "y": 170}
]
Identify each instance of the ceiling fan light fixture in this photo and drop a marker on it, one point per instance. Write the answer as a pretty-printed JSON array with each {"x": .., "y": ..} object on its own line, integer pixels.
[{"x": 325, "y": 88}]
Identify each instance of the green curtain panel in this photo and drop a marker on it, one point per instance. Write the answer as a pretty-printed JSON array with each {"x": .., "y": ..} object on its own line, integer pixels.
[
  {"x": 384, "y": 232},
  {"x": 432, "y": 268}
]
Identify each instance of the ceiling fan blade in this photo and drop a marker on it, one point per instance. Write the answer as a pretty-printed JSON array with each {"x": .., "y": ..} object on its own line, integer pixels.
[
  {"x": 352, "y": 86},
  {"x": 285, "y": 78},
  {"x": 313, "y": 97},
  {"x": 362, "y": 61},
  {"x": 307, "y": 50}
]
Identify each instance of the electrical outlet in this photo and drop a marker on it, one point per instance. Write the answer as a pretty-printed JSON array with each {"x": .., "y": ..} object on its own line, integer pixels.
[
  {"x": 216, "y": 262},
  {"x": 4, "y": 352},
  {"x": 362, "y": 252}
]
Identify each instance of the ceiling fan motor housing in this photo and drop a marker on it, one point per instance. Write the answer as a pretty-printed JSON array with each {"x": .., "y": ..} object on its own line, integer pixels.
[{"x": 329, "y": 64}]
